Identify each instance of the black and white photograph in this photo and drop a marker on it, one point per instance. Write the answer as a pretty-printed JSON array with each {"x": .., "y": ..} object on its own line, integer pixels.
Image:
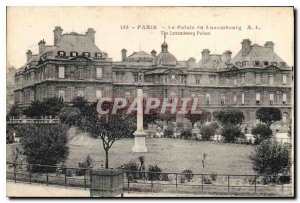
[{"x": 129, "y": 102}]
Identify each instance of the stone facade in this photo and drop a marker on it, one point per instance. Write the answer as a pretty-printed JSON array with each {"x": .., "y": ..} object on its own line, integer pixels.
[{"x": 74, "y": 66}]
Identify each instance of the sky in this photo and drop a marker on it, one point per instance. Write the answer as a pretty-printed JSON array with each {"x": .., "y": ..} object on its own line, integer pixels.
[{"x": 26, "y": 26}]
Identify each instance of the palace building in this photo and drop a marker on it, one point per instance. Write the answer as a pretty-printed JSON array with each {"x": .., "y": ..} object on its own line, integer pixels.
[{"x": 74, "y": 66}]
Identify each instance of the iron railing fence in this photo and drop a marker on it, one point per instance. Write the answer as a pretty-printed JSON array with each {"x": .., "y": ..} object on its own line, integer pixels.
[{"x": 162, "y": 182}]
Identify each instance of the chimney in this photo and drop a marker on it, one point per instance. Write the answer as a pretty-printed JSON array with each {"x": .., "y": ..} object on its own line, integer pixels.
[
  {"x": 57, "y": 34},
  {"x": 153, "y": 53},
  {"x": 246, "y": 43},
  {"x": 91, "y": 34},
  {"x": 41, "y": 44},
  {"x": 205, "y": 55},
  {"x": 270, "y": 45},
  {"x": 124, "y": 54},
  {"x": 226, "y": 56},
  {"x": 29, "y": 55}
]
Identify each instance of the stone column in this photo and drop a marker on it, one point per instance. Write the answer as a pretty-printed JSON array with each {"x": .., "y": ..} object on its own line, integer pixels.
[{"x": 139, "y": 134}]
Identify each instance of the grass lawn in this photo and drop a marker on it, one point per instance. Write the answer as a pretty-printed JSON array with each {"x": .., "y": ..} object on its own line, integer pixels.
[{"x": 172, "y": 155}]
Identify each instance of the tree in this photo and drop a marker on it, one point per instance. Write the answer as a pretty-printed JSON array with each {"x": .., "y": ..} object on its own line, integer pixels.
[
  {"x": 261, "y": 132},
  {"x": 80, "y": 103},
  {"x": 271, "y": 158},
  {"x": 230, "y": 116},
  {"x": 44, "y": 145},
  {"x": 53, "y": 105},
  {"x": 207, "y": 132},
  {"x": 47, "y": 107},
  {"x": 194, "y": 118},
  {"x": 109, "y": 128},
  {"x": 36, "y": 109},
  {"x": 14, "y": 111},
  {"x": 231, "y": 133},
  {"x": 268, "y": 115},
  {"x": 70, "y": 116}
]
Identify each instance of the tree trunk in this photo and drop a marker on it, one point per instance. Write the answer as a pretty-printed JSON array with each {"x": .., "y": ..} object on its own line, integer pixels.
[{"x": 106, "y": 159}]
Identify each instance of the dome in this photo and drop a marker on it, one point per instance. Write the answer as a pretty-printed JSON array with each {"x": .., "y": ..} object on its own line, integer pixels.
[{"x": 165, "y": 58}]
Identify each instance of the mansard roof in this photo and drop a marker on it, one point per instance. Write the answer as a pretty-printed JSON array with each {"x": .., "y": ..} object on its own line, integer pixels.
[
  {"x": 74, "y": 42},
  {"x": 257, "y": 53}
]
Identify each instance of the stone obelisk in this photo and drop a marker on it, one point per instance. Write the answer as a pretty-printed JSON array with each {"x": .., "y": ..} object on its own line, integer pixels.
[{"x": 139, "y": 134}]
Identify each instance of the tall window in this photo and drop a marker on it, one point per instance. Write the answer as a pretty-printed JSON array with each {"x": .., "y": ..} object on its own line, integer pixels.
[
  {"x": 284, "y": 98},
  {"x": 271, "y": 98},
  {"x": 227, "y": 80},
  {"x": 212, "y": 79},
  {"x": 61, "y": 95},
  {"x": 222, "y": 99},
  {"x": 80, "y": 93},
  {"x": 98, "y": 94},
  {"x": 207, "y": 99},
  {"x": 243, "y": 78},
  {"x": 61, "y": 72},
  {"x": 234, "y": 99},
  {"x": 243, "y": 98},
  {"x": 284, "y": 79},
  {"x": 127, "y": 96},
  {"x": 234, "y": 80},
  {"x": 80, "y": 73},
  {"x": 257, "y": 79},
  {"x": 271, "y": 79},
  {"x": 119, "y": 76},
  {"x": 257, "y": 98},
  {"x": 198, "y": 79},
  {"x": 135, "y": 77},
  {"x": 99, "y": 72},
  {"x": 284, "y": 117}
]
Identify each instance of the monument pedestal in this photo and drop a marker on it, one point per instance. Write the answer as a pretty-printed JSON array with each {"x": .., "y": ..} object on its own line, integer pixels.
[{"x": 139, "y": 142}]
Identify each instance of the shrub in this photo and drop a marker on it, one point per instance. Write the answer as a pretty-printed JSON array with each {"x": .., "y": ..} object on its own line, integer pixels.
[
  {"x": 207, "y": 180},
  {"x": 182, "y": 178},
  {"x": 230, "y": 116},
  {"x": 241, "y": 140},
  {"x": 154, "y": 173},
  {"x": 129, "y": 167},
  {"x": 165, "y": 177},
  {"x": 271, "y": 158},
  {"x": 69, "y": 172},
  {"x": 188, "y": 174},
  {"x": 207, "y": 132},
  {"x": 186, "y": 134},
  {"x": 168, "y": 132},
  {"x": 213, "y": 176},
  {"x": 44, "y": 145},
  {"x": 231, "y": 133},
  {"x": 261, "y": 132}
]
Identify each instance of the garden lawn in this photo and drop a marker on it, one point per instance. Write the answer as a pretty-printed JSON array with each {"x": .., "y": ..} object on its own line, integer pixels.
[{"x": 172, "y": 155}]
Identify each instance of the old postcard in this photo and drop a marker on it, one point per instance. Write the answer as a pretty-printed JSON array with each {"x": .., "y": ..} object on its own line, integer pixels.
[{"x": 150, "y": 102}]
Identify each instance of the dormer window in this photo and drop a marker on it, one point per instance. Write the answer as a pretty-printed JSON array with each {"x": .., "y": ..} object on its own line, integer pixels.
[
  {"x": 244, "y": 63},
  {"x": 61, "y": 53},
  {"x": 98, "y": 55},
  {"x": 86, "y": 54},
  {"x": 256, "y": 63},
  {"x": 73, "y": 54},
  {"x": 266, "y": 63},
  {"x": 282, "y": 64},
  {"x": 274, "y": 63},
  {"x": 238, "y": 64}
]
